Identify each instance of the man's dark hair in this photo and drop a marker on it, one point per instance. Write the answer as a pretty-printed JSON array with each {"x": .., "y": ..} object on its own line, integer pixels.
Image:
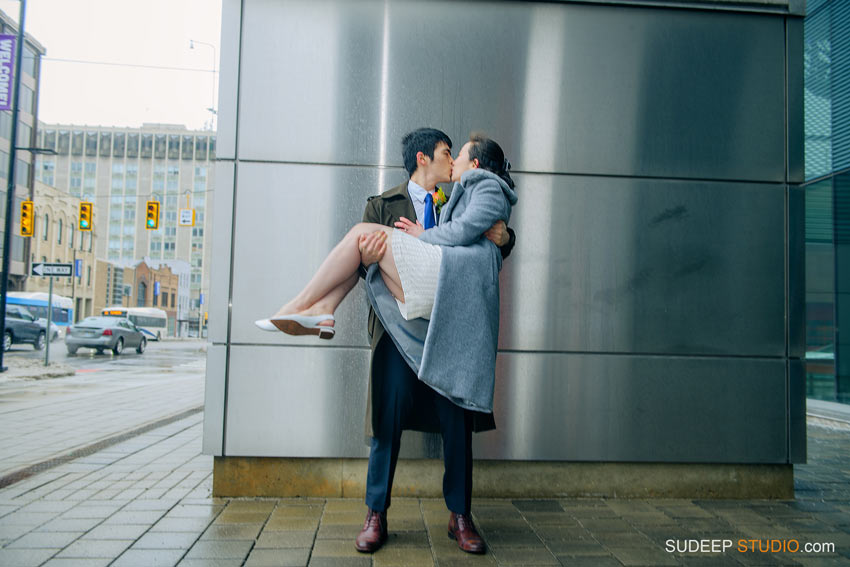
[{"x": 423, "y": 140}]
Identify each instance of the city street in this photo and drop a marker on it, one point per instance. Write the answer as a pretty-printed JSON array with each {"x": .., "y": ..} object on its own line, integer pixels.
[{"x": 109, "y": 395}]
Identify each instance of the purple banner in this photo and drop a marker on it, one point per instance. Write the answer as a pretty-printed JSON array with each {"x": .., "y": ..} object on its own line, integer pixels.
[{"x": 7, "y": 69}]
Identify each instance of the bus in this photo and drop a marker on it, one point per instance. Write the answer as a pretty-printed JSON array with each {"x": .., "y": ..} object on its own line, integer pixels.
[
  {"x": 152, "y": 322},
  {"x": 36, "y": 303}
]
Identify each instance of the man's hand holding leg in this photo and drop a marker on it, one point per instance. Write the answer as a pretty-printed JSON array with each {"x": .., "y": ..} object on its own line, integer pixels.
[{"x": 498, "y": 234}]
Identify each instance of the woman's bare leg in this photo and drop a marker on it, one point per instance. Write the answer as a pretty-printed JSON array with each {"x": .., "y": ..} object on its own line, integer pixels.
[{"x": 338, "y": 274}]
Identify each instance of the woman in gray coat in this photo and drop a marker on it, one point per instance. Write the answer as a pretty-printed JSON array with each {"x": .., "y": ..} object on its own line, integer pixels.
[{"x": 448, "y": 274}]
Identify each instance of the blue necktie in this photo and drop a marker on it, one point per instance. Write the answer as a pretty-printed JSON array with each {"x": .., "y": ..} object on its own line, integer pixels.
[{"x": 429, "y": 211}]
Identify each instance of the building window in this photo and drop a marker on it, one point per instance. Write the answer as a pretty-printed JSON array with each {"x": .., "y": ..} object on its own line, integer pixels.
[
  {"x": 105, "y": 144},
  {"x": 6, "y": 125},
  {"x": 63, "y": 142},
  {"x": 77, "y": 143},
  {"x": 117, "y": 176},
  {"x": 46, "y": 170},
  {"x": 160, "y": 145},
  {"x": 173, "y": 178},
  {"x": 172, "y": 300},
  {"x": 91, "y": 144},
  {"x": 147, "y": 145},
  {"x": 133, "y": 146},
  {"x": 173, "y": 146},
  {"x": 188, "y": 146},
  {"x": 59, "y": 233},
  {"x": 200, "y": 148},
  {"x": 142, "y": 294},
  {"x": 46, "y": 228},
  {"x": 70, "y": 236},
  {"x": 132, "y": 177},
  {"x": 118, "y": 145},
  {"x": 26, "y": 99},
  {"x": 24, "y": 135},
  {"x": 90, "y": 179},
  {"x": 88, "y": 276},
  {"x": 49, "y": 139},
  {"x": 22, "y": 173},
  {"x": 155, "y": 298},
  {"x": 28, "y": 61}
]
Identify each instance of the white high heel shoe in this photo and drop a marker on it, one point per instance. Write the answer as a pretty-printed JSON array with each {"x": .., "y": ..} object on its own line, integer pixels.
[{"x": 299, "y": 325}]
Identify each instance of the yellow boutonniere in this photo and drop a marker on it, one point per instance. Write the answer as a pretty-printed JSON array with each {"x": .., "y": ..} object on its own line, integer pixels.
[{"x": 440, "y": 199}]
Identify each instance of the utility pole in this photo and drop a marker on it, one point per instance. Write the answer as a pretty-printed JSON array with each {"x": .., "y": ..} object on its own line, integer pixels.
[{"x": 10, "y": 185}]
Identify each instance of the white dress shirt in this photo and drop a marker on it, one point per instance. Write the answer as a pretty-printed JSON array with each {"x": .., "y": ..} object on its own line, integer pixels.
[{"x": 417, "y": 195}]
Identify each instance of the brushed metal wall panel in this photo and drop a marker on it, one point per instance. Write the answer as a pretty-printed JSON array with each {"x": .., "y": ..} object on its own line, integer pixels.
[
  {"x": 641, "y": 409},
  {"x": 304, "y": 402},
  {"x": 308, "y": 402},
  {"x": 231, "y": 23},
  {"x": 220, "y": 258},
  {"x": 565, "y": 87},
  {"x": 214, "y": 400},
  {"x": 288, "y": 218},
  {"x": 645, "y": 266}
]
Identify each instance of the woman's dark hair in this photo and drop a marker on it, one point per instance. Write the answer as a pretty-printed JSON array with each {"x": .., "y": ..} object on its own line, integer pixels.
[{"x": 490, "y": 156}]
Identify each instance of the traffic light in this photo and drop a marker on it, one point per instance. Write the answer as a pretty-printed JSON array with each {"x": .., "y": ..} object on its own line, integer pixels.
[
  {"x": 152, "y": 215},
  {"x": 27, "y": 218},
  {"x": 85, "y": 215}
]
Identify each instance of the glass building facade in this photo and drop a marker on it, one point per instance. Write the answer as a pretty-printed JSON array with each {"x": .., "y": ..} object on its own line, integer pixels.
[{"x": 827, "y": 139}]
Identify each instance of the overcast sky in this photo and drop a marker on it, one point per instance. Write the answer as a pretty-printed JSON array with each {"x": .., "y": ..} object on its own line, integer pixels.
[{"x": 151, "y": 33}]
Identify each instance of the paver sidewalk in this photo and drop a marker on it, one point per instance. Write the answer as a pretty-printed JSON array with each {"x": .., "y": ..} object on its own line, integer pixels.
[{"x": 146, "y": 502}]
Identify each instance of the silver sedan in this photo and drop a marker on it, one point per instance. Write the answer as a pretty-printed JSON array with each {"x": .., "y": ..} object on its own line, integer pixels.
[{"x": 103, "y": 333}]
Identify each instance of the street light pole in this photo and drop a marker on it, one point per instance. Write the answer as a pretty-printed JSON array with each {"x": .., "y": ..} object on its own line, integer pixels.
[
  {"x": 192, "y": 43},
  {"x": 10, "y": 185}
]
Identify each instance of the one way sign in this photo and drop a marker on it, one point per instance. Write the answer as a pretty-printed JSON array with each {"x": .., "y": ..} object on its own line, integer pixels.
[{"x": 57, "y": 270}]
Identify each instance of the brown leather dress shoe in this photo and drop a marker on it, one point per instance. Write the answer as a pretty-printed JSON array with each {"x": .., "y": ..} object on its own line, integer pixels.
[
  {"x": 463, "y": 531},
  {"x": 374, "y": 532}
]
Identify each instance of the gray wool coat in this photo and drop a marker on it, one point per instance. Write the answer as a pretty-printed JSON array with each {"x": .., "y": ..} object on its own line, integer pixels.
[{"x": 455, "y": 353}]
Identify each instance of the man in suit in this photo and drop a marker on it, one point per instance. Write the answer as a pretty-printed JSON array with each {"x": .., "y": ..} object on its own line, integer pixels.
[{"x": 397, "y": 399}]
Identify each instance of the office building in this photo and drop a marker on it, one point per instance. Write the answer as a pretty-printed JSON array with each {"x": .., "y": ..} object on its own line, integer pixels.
[{"x": 119, "y": 170}]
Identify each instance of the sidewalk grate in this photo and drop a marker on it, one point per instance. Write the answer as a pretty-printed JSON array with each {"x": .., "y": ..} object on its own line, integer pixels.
[{"x": 31, "y": 470}]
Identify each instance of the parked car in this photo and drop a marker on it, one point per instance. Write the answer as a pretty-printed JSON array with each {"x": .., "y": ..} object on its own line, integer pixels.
[
  {"x": 54, "y": 328},
  {"x": 22, "y": 327},
  {"x": 103, "y": 333}
]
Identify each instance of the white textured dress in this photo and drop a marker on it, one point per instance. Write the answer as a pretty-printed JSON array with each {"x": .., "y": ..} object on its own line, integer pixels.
[{"x": 418, "y": 266}]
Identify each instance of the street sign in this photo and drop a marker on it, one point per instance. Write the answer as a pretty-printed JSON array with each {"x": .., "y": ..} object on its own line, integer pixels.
[
  {"x": 187, "y": 217},
  {"x": 56, "y": 270}
]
